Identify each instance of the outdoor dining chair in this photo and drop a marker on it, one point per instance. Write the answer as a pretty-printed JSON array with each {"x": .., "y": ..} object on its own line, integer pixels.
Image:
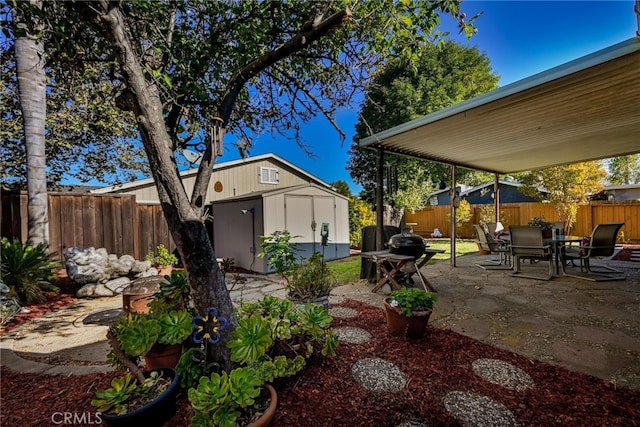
[
  {"x": 602, "y": 243},
  {"x": 489, "y": 244},
  {"x": 527, "y": 243}
]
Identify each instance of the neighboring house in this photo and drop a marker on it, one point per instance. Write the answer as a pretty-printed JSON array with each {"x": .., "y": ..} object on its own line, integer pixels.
[
  {"x": 266, "y": 172},
  {"x": 509, "y": 193},
  {"x": 238, "y": 223},
  {"x": 443, "y": 197},
  {"x": 273, "y": 195},
  {"x": 622, "y": 192},
  {"x": 483, "y": 194}
]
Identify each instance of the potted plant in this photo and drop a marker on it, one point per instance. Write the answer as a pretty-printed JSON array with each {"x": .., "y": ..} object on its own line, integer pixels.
[
  {"x": 157, "y": 337},
  {"x": 139, "y": 397},
  {"x": 131, "y": 402},
  {"x": 538, "y": 221},
  {"x": 305, "y": 280},
  {"x": 407, "y": 312},
  {"x": 161, "y": 258},
  {"x": 274, "y": 338}
]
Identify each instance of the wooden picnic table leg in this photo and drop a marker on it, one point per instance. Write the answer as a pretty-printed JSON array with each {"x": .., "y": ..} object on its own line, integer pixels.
[
  {"x": 387, "y": 276},
  {"x": 425, "y": 283}
]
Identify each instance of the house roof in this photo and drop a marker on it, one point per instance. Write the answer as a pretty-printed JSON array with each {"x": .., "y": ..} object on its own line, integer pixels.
[
  {"x": 216, "y": 167},
  {"x": 583, "y": 110},
  {"x": 267, "y": 193}
]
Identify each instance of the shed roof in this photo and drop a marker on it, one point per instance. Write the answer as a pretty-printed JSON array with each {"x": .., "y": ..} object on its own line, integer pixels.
[{"x": 583, "y": 110}]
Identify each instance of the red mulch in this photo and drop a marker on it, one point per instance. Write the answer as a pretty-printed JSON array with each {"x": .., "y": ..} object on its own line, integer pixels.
[
  {"x": 325, "y": 394},
  {"x": 54, "y": 301},
  {"x": 626, "y": 252}
]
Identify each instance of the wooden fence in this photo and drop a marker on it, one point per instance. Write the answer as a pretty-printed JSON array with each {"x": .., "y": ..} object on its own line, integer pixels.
[
  {"x": 112, "y": 221},
  {"x": 116, "y": 222},
  {"x": 520, "y": 213}
]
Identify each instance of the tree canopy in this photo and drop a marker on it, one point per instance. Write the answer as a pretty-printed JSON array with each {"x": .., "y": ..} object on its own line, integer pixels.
[
  {"x": 568, "y": 186},
  {"x": 624, "y": 169},
  {"x": 441, "y": 74},
  {"x": 87, "y": 136}
]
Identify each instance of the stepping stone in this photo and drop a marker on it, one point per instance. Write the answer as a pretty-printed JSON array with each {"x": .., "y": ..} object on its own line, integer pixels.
[
  {"x": 352, "y": 335},
  {"x": 413, "y": 424},
  {"x": 378, "y": 375},
  {"x": 474, "y": 410},
  {"x": 502, "y": 373},
  {"x": 343, "y": 312}
]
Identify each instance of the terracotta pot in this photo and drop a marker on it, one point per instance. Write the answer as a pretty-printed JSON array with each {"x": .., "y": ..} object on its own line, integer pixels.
[
  {"x": 155, "y": 413},
  {"x": 400, "y": 325},
  {"x": 482, "y": 251},
  {"x": 136, "y": 303},
  {"x": 547, "y": 234},
  {"x": 268, "y": 415},
  {"x": 163, "y": 356}
]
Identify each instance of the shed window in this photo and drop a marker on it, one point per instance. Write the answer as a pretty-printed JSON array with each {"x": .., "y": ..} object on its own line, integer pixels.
[{"x": 268, "y": 175}]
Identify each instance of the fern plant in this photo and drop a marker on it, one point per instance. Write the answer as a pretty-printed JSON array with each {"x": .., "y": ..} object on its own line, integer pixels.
[{"x": 28, "y": 270}]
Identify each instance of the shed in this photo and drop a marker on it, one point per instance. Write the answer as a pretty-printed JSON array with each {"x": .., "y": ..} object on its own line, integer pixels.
[{"x": 239, "y": 222}]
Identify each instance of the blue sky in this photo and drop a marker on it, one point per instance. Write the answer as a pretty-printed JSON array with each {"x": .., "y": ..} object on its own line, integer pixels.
[{"x": 521, "y": 38}]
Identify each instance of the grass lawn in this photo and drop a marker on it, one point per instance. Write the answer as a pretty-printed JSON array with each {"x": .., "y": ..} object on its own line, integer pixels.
[{"x": 347, "y": 270}]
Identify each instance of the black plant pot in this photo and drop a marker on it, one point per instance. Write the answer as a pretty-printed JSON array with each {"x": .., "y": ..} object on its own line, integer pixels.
[{"x": 152, "y": 414}]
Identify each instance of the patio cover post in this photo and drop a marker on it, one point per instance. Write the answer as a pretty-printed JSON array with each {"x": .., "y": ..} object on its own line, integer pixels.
[
  {"x": 453, "y": 200},
  {"x": 496, "y": 196},
  {"x": 379, "y": 199}
]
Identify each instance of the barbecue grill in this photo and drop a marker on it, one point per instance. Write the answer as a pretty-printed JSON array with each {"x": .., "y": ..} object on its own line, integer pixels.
[{"x": 407, "y": 243}]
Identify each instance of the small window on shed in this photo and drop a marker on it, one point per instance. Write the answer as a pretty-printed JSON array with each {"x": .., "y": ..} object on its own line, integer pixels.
[{"x": 268, "y": 175}]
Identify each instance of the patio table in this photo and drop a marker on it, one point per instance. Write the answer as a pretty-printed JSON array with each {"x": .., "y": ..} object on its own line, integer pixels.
[
  {"x": 385, "y": 258},
  {"x": 557, "y": 242}
]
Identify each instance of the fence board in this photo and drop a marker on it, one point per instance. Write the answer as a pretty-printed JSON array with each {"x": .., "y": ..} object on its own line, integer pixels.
[
  {"x": 89, "y": 221},
  {"x": 55, "y": 226}
]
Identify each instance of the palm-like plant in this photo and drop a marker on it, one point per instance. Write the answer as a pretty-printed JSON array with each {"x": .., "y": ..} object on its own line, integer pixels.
[{"x": 28, "y": 270}]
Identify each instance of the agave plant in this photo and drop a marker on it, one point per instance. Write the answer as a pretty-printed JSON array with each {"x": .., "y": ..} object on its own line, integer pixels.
[{"x": 28, "y": 270}]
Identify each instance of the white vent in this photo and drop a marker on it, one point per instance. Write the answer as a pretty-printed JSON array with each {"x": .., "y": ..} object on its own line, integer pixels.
[{"x": 268, "y": 175}]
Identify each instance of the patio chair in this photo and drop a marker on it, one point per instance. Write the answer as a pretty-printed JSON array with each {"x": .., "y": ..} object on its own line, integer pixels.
[
  {"x": 602, "y": 243},
  {"x": 527, "y": 243},
  {"x": 489, "y": 244}
]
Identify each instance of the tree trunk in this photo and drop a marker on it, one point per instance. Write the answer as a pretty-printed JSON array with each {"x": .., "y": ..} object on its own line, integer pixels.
[
  {"x": 208, "y": 287},
  {"x": 32, "y": 93}
]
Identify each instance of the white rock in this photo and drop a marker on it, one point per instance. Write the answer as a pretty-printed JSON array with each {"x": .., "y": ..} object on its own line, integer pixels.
[{"x": 140, "y": 266}]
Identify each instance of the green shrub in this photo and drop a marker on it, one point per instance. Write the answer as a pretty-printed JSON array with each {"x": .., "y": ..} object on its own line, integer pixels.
[{"x": 28, "y": 270}]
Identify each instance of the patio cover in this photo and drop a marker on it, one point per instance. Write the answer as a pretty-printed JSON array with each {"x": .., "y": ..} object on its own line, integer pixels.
[{"x": 586, "y": 109}]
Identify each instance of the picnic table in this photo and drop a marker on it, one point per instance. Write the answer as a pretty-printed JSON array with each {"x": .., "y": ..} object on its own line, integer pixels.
[{"x": 389, "y": 264}]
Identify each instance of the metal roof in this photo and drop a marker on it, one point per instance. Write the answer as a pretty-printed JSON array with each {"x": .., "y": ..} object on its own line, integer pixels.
[{"x": 583, "y": 110}]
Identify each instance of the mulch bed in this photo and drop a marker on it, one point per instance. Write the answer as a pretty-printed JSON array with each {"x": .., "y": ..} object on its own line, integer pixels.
[
  {"x": 325, "y": 394},
  {"x": 626, "y": 252}
]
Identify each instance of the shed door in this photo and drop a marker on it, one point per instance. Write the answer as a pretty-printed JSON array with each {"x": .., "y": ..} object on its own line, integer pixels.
[
  {"x": 324, "y": 211},
  {"x": 298, "y": 217}
]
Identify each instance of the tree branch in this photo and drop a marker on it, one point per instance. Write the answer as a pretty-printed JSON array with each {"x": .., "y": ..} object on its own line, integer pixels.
[{"x": 310, "y": 32}]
